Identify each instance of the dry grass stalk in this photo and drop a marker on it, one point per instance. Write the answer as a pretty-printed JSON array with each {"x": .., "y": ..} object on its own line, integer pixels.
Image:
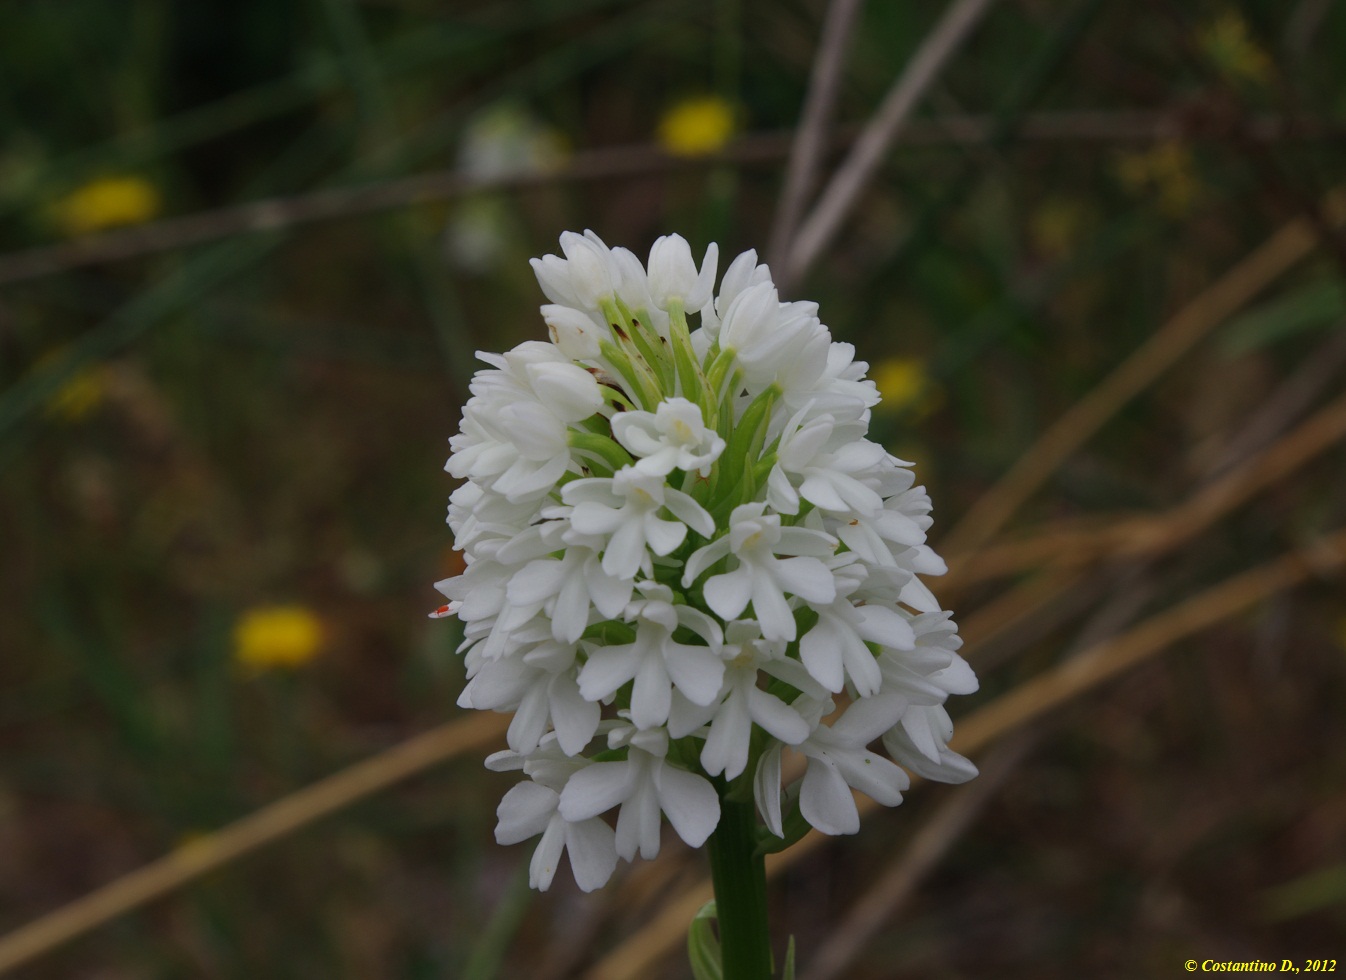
[
  {"x": 636, "y": 956},
  {"x": 843, "y": 189},
  {"x": 801, "y": 171},
  {"x": 267, "y": 825},
  {"x": 927, "y": 847},
  {"x": 1147, "y": 536},
  {"x": 1229, "y": 294}
]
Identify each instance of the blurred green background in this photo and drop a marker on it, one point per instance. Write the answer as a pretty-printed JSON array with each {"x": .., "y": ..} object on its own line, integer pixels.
[{"x": 222, "y": 501}]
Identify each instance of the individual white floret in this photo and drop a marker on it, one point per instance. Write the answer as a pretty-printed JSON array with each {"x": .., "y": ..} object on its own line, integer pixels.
[
  {"x": 624, "y": 510},
  {"x": 568, "y": 589},
  {"x": 839, "y": 760},
  {"x": 831, "y": 466},
  {"x": 742, "y": 273},
  {"x": 533, "y": 808},
  {"x": 741, "y": 703},
  {"x": 673, "y": 276},
  {"x": 538, "y": 681},
  {"x": 672, "y": 437},
  {"x": 834, "y": 650},
  {"x": 655, "y": 661},
  {"x": 755, "y": 539},
  {"x": 644, "y": 784}
]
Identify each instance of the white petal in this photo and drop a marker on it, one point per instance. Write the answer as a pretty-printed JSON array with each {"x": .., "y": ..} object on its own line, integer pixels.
[
  {"x": 651, "y": 695},
  {"x": 919, "y": 597},
  {"x": 726, "y": 748},
  {"x": 607, "y": 670},
  {"x": 777, "y": 717},
  {"x": 770, "y": 608},
  {"x": 593, "y": 853},
  {"x": 879, "y": 624},
  {"x": 697, "y": 672},
  {"x": 873, "y": 775},
  {"x": 702, "y": 558},
  {"x": 530, "y": 720},
  {"x": 690, "y": 803},
  {"x": 825, "y": 800},
  {"x": 807, "y": 578},
  {"x": 547, "y": 855},
  {"x": 766, "y": 788},
  {"x": 638, "y": 825},
  {"x": 567, "y": 390},
  {"x": 663, "y": 536},
  {"x": 951, "y": 767},
  {"x": 536, "y": 581},
  {"x": 728, "y": 594},
  {"x": 819, "y": 649},
  {"x": 689, "y": 512},
  {"x": 523, "y": 812},
  {"x": 574, "y": 718},
  {"x": 595, "y": 789},
  {"x": 625, "y": 551},
  {"x": 957, "y": 678}
]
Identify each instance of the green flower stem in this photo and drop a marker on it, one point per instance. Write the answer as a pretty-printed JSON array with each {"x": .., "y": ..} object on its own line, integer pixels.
[{"x": 739, "y": 877}]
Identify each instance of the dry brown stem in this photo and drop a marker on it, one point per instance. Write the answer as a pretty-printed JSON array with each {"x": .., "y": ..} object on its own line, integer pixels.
[
  {"x": 636, "y": 956},
  {"x": 810, "y": 139},
  {"x": 267, "y": 825},
  {"x": 890, "y": 891},
  {"x": 844, "y": 188},
  {"x": 1230, "y": 293},
  {"x": 1136, "y": 536}
]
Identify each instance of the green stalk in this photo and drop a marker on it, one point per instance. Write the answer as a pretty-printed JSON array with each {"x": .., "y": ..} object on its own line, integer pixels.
[{"x": 739, "y": 877}]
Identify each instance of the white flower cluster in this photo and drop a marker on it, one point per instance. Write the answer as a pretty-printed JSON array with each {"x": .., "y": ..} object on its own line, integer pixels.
[{"x": 680, "y": 545}]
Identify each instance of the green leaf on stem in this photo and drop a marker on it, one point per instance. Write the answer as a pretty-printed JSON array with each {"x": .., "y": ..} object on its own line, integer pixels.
[{"x": 703, "y": 949}]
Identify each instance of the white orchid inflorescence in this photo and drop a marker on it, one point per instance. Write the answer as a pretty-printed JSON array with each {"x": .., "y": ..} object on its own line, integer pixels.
[{"x": 680, "y": 546}]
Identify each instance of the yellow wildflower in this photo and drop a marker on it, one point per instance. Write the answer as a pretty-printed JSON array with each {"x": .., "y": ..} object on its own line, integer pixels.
[
  {"x": 106, "y": 203},
  {"x": 1232, "y": 52},
  {"x": 905, "y": 386},
  {"x": 79, "y": 394},
  {"x": 1168, "y": 172},
  {"x": 276, "y": 637},
  {"x": 1056, "y": 226},
  {"x": 696, "y": 127}
]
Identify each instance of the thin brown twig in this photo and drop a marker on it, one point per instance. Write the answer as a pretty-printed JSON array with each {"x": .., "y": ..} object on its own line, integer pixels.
[
  {"x": 1287, "y": 402},
  {"x": 280, "y": 214},
  {"x": 267, "y": 825},
  {"x": 636, "y": 956},
  {"x": 806, "y": 151},
  {"x": 1286, "y": 248},
  {"x": 927, "y": 847},
  {"x": 1136, "y": 536},
  {"x": 843, "y": 190}
]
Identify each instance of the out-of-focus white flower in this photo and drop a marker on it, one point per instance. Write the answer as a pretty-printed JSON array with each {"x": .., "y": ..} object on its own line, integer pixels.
[{"x": 678, "y": 536}]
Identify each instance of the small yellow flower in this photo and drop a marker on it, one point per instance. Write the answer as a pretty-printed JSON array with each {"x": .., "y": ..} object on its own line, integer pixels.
[
  {"x": 1232, "y": 52},
  {"x": 106, "y": 203},
  {"x": 78, "y": 395},
  {"x": 696, "y": 127},
  {"x": 1167, "y": 172},
  {"x": 276, "y": 637},
  {"x": 1056, "y": 226},
  {"x": 905, "y": 386}
]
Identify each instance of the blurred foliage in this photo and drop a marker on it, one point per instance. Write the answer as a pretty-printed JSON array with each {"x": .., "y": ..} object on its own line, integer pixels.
[{"x": 261, "y": 420}]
